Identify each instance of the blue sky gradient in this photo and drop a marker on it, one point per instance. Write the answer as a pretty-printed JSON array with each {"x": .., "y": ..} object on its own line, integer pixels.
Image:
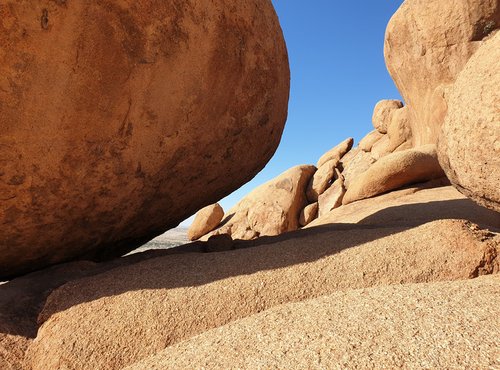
[{"x": 338, "y": 75}]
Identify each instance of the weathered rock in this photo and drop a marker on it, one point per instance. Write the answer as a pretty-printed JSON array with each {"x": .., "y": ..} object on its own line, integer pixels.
[
  {"x": 120, "y": 120},
  {"x": 124, "y": 315},
  {"x": 394, "y": 171},
  {"x": 354, "y": 164},
  {"x": 405, "y": 146},
  {"x": 382, "y": 114},
  {"x": 399, "y": 129},
  {"x": 337, "y": 152},
  {"x": 308, "y": 214},
  {"x": 369, "y": 140},
  {"x": 427, "y": 44},
  {"x": 381, "y": 148},
  {"x": 469, "y": 147},
  {"x": 271, "y": 209},
  {"x": 205, "y": 221},
  {"x": 382, "y": 327},
  {"x": 411, "y": 206},
  {"x": 332, "y": 197},
  {"x": 321, "y": 180}
]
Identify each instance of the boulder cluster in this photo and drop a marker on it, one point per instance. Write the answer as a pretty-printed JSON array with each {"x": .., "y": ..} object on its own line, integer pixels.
[{"x": 384, "y": 160}]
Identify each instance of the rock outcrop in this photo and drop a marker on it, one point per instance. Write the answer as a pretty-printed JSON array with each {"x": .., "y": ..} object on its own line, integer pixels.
[
  {"x": 394, "y": 171},
  {"x": 271, "y": 209},
  {"x": 356, "y": 329},
  {"x": 118, "y": 121},
  {"x": 124, "y": 315},
  {"x": 469, "y": 146},
  {"x": 382, "y": 114},
  {"x": 427, "y": 44},
  {"x": 205, "y": 221}
]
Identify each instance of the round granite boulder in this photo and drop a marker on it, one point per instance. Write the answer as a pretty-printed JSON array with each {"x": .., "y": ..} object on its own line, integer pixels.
[{"x": 121, "y": 119}]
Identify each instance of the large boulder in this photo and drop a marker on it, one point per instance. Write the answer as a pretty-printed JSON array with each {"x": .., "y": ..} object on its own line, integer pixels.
[
  {"x": 271, "y": 209},
  {"x": 469, "y": 146},
  {"x": 120, "y": 119},
  {"x": 427, "y": 44},
  {"x": 395, "y": 171}
]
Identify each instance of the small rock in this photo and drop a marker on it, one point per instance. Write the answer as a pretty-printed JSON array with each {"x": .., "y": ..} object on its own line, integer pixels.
[
  {"x": 336, "y": 153},
  {"x": 382, "y": 114},
  {"x": 206, "y": 220},
  {"x": 369, "y": 140},
  {"x": 308, "y": 214}
]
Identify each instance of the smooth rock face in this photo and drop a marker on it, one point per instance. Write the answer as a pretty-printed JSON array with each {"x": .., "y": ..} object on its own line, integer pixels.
[
  {"x": 469, "y": 146},
  {"x": 381, "y": 148},
  {"x": 427, "y": 44},
  {"x": 308, "y": 214},
  {"x": 205, "y": 221},
  {"x": 271, "y": 209},
  {"x": 399, "y": 129},
  {"x": 369, "y": 140},
  {"x": 150, "y": 110},
  {"x": 394, "y": 171},
  {"x": 382, "y": 114},
  {"x": 337, "y": 152}
]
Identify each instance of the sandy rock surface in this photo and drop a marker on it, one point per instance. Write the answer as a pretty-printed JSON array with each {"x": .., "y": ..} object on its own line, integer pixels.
[
  {"x": 427, "y": 44},
  {"x": 271, "y": 209},
  {"x": 206, "y": 220},
  {"x": 119, "y": 317},
  {"x": 150, "y": 111},
  {"x": 394, "y": 171},
  {"x": 369, "y": 140},
  {"x": 469, "y": 146},
  {"x": 420, "y": 326}
]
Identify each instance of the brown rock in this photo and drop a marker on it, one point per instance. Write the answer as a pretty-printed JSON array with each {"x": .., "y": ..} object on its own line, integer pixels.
[
  {"x": 321, "y": 180},
  {"x": 381, "y": 327},
  {"x": 206, "y": 220},
  {"x": 337, "y": 152},
  {"x": 382, "y": 114},
  {"x": 354, "y": 164},
  {"x": 415, "y": 205},
  {"x": 124, "y": 315},
  {"x": 381, "y": 148},
  {"x": 427, "y": 44},
  {"x": 469, "y": 147},
  {"x": 399, "y": 129},
  {"x": 395, "y": 171},
  {"x": 405, "y": 146},
  {"x": 150, "y": 111},
  {"x": 271, "y": 209},
  {"x": 369, "y": 140},
  {"x": 308, "y": 214},
  {"x": 332, "y": 197}
]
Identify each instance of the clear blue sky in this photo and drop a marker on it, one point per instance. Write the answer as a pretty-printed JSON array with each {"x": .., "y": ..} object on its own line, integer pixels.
[{"x": 338, "y": 75}]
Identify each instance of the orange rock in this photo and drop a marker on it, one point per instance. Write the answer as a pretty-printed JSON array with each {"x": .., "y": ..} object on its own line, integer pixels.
[
  {"x": 120, "y": 119},
  {"x": 205, "y": 221},
  {"x": 367, "y": 142},
  {"x": 337, "y": 152},
  {"x": 308, "y": 214},
  {"x": 382, "y": 114},
  {"x": 427, "y": 44},
  {"x": 394, "y": 171}
]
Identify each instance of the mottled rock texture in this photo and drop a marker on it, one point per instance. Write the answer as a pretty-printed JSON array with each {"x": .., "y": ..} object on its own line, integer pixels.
[
  {"x": 469, "y": 145},
  {"x": 119, "y": 119},
  {"x": 427, "y": 44}
]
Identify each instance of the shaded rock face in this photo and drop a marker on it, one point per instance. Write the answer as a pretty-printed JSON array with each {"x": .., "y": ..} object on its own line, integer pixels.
[
  {"x": 271, "y": 209},
  {"x": 150, "y": 110},
  {"x": 427, "y": 44},
  {"x": 469, "y": 146}
]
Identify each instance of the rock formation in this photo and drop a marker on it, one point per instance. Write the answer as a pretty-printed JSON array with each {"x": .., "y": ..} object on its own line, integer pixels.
[
  {"x": 469, "y": 146},
  {"x": 271, "y": 209},
  {"x": 205, "y": 221},
  {"x": 118, "y": 121},
  {"x": 427, "y": 44}
]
